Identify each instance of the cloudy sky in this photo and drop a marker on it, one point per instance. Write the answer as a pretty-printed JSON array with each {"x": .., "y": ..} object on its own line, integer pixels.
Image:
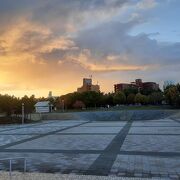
[{"x": 52, "y": 44}]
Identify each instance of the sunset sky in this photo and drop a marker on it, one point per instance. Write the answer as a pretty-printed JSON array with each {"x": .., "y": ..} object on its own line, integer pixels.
[{"x": 50, "y": 45}]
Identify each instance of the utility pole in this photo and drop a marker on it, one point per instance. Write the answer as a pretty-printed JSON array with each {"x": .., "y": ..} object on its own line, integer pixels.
[
  {"x": 22, "y": 113},
  {"x": 63, "y": 105}
]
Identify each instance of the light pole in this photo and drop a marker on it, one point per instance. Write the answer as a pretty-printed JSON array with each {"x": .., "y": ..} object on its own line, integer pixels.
[
  {"x": 63, "y": 105},
  {"x": 22, "y": 113},
  {"x": 51, "y": 107}
]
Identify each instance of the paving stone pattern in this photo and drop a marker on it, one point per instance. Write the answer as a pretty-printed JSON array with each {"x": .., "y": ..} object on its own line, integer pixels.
[{"x": 132, "y": 148}]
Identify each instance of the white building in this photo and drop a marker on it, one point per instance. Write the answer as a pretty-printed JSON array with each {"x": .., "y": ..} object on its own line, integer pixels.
[{"x": 43, "y": 107}]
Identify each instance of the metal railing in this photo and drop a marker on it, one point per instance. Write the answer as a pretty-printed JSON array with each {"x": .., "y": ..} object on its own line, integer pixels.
[{"x": 11, "y": 162}]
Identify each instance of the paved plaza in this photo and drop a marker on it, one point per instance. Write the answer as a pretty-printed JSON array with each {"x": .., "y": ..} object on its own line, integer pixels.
[{"x": 132, "y": 148}]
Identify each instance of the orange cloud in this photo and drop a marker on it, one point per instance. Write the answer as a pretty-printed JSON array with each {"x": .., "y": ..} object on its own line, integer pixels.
[{"x": 24, "y": 71}]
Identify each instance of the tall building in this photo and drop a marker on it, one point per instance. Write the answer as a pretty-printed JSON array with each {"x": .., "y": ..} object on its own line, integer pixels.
[
  {"x": 87, "y": 81},
  {"x": 50, "y": 94},
  {"x": 138, "y": 84},
  {"x": 88, "y": 86}
]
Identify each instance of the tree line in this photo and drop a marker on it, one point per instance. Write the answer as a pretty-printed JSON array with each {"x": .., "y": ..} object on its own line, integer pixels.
[
  {"x": 13, "y": 105},
  {"x": 94, "y": 99},
  {"x": 131, "y": 96}
]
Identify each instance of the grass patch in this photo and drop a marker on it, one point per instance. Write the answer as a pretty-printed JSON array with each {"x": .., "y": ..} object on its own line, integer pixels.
[
  {"x": 124, "y": 107},
  {"x": 14, "y": 120}
]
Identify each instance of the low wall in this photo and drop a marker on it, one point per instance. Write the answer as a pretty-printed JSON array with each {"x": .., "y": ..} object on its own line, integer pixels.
[
  {"x": 59, "y": 116},
  {"x": 111, "y": 115},
  {"x": 34, "y": 116},
  {"x": 95, "y": 115},
  {"x": 2, "y": 114}
]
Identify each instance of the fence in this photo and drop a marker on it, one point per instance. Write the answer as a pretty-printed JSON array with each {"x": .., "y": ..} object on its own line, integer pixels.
[{"x": 11, "y": 163}]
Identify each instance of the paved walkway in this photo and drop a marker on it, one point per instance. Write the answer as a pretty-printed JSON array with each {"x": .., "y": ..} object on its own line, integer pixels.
[
  {"x": 45, "y": 176},
  {"x": 130, "y": 148}
]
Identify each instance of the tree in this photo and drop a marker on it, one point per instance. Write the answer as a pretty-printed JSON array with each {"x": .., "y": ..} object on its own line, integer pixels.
[
  {"x": 92, "y": 98},
  {"x": 131, "y": 99},
  {"x": 156, "y": 98},
  {"x": 141, "y": 99},
  {"x": 145, "y": 100},
  {"x": 129, "y": 91},
  {"x": 8, "y": 104},
  {"x": 79, "y": 105},
  {"x": 138, "y": 98},
  {"x": 67, "y": 100},
  {"x": 29, "y": 103},
  {"x": 148, "y": 91},
  {"x": 119, "y": 98},
  {"x": 172, "y": 95},
  {"x": 107, "y": 99}
]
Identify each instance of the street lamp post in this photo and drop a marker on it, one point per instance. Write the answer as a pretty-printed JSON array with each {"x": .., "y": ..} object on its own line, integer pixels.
[
  {"x": 22, "y": 113},
  {"x": 63, "y": 105},
  {"x": 51, "y": 107}
]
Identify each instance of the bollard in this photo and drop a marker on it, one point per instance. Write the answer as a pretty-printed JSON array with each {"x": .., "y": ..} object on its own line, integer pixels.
[
  {"x": 10, "y": 168},
  {"x": 25, "y": 165}
]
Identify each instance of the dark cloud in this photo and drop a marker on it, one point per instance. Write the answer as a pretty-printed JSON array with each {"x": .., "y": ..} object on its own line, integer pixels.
[
  {"x": 106, "y": 38},
  {"x": 113, "y": 38},
  {"x": 70, "y": 37},
  {"x": 2, "y": 48},
  {"x": 60, "y": 14},
  {"x": 55, "y": 54},
  {"x": 31, "y": 40},
  {"x": 58, "y": 54},
  {"x": 11, "y": 11}
]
